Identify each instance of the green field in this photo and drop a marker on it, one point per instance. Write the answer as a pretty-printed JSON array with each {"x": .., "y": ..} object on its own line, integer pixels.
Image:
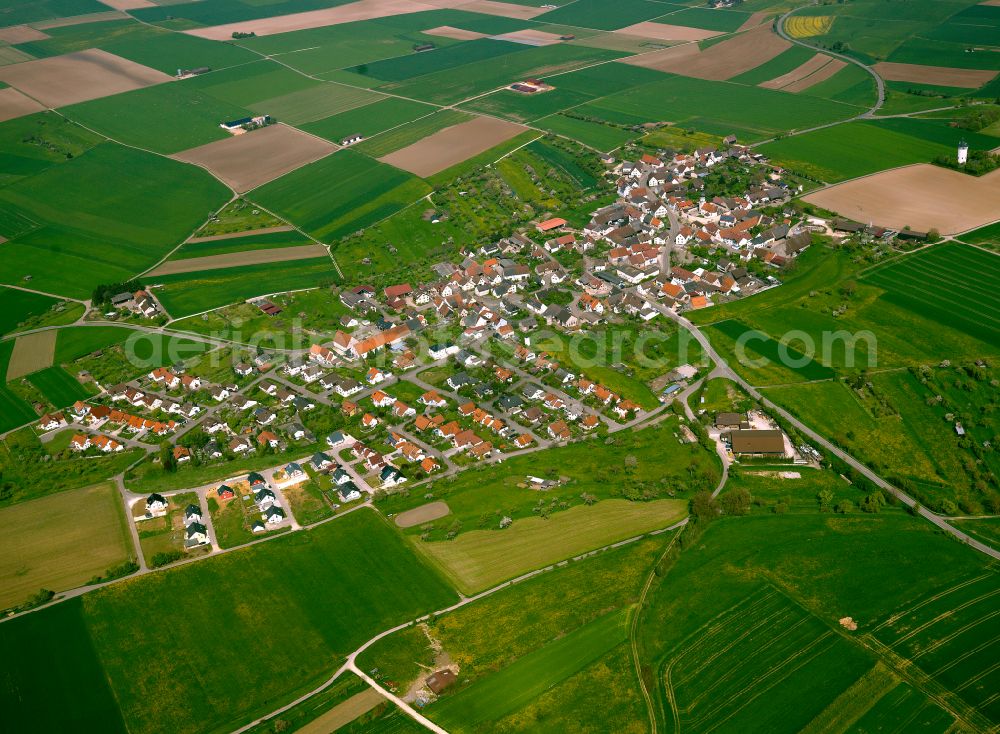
[
  {"x": 788, "y": 60},
  {"x": 714, "y": 19},
  {"x": 780, "y": 353},
  {"x": 340, "y": 194},
  {"x": 604, "y": 138},
  {"x": 719, "y": 108},
  {"x": 988, "y": 235},
  {"x": 285, "y": 641},
  {"x": 314, "y": 103},
  {"x": 268, "y": 241},
  {"x": 13, "y": 410},
  {"x": 18, "y": 306},
  {"x": 515, "y": 686},
  {"x": 58, "y": 386},
  {"x": 603, "y": 16},
  {"x": 437, "y": 60},
  {"x": 104, "y": 217},
  {"x": 858, "y": 148},
  {"x": 368, "y": 120},
  {"x": 184, "y": 294},
  {"x": 75, "y": 342},
  {"x": 480, "y": 559}
]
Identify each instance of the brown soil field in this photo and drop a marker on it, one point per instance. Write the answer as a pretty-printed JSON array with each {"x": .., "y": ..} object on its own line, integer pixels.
[
  {"x": 236, "y": 259},
  {"x": 425, "y": 513},
  {"x": 812, "y": 65},
  {"x": 31, "y": 353},
  {"x": 128, "y": 4},
  {"x": 246, "y": 161},
  {"x": 529, "y": 37},
  {"x": 665, "y": 59},
  {"x": 459, "y": 34},
  {"x": 343, "y": 713},
  {"x": 942, "y": 76},
  {"x": 80, "y": 76},
  {"x": 81, "y": 19},
  {"x": 60, "y": 542},
  {"x": 21, "y": 34},
  {"x": 920, "y": 196},
  {"x": 723, "y": 60},
  {"x": 990, "y": 2},
  {"x": 14, "y": 104},
  {"x": 452, "y": 145},
  {"x": 816, "y": 77},
  {"x": 664, "y": 32},
  {"x": 245, "y": 233},
  {"x": 758, "y": 18},
  {"x": 491, "y": 7}
]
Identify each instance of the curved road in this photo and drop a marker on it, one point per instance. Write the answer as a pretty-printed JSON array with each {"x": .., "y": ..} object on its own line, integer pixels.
[{"x": 722, "y": 369}]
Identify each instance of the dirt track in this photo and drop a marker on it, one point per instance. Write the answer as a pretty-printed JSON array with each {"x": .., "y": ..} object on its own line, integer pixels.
[
  {"x": 246, "y": 161},
  {"x": 14, "y": 104},
  {"x": 31, "y": 353},
  {"x": 921, "y": 196},
  {"x": 236, "y": 259},
  {"x": 80, "y": 76},
  {"x": 452, "y": 145},
  {"x": 664, "y": 32},
  {"x": 942, "y": 76},
  {"x": 719, "y": 62},
  {"x": 425, "y": 513}
]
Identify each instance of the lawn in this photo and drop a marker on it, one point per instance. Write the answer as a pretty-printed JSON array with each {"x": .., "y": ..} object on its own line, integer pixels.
[
  {"x": 184, "y": 294},
  {"x": 515, "y": 686},
  {"x": 858, "y": 148},
  {"x": 61, "y": 541},
  {"x": 479, "y": 559},
  {"x": 283, "y": 642},
  {"x": 58, "y": 386},
  {"x": 339, "y": 194},
  {"x": 53, "y": 680},
  {"x": 368, "y": 120},
  {"x": 104, "y": 217}
]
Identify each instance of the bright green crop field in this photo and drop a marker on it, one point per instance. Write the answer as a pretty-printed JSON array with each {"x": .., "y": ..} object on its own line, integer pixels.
[{"x": 58, "y": 386}]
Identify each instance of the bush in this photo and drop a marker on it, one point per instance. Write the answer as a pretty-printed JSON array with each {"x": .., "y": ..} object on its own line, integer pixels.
[{"x": 163, "y": 558}]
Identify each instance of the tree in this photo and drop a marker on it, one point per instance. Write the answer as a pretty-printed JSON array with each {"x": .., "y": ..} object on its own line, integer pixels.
[
  {"x": 631, "y": 463},
  {"x": 825, "y": 499},
  {"x": 704, "y": 507},
  {"x": 588, "y": 499},
  {"x": 737, "y": 502},
  {"x": 873, "y": 502},
  {"x": 167, "y": 460}
]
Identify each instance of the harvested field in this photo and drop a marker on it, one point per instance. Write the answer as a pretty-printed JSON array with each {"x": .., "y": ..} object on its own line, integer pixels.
[
  {"x": 921, "y": 196},
  {"x": 238, "y": 259},
  {"x": 452, "y": 145},
  {"x": 60, "y": 542},
  {"x": 459, "y": 34},
  {"x": 719, "y": 62},
  {"x": 664, "y": 32},
  {"x": 529, "y": 37},
  {"x": 14, "y": 104},
  {"x": 425, "y": 513},
  {"x": 827, "y": 71},
  {"x": 244, "y": 162},
  {"x": 21, "y": 34},
  {"x": 814, "y": 64},
  {"x": 247, "y": 233},
  {"x": 80, "y": 20},
  {"x": 128, "y": 4},
  {"x": 32, "y": 352},
  {"x": 80, "y": 76},
  {"x": 758, "y": 18},
  {"x": 344, "y": 713},
  {"x": 942, "y": 76}
]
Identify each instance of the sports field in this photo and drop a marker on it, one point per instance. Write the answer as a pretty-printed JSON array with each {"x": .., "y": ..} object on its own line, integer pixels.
[
  {"x": 973, "y": 308},
  {"x": 58, "y": 386},
  {"x": 61, "y": 541},
  {"x": 479, "y": 559}
]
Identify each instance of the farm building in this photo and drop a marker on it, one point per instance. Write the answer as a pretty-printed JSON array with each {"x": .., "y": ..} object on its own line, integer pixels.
[
  {"x": 245, "y": 123},
  {"x": 756, "y": 443},
  {"x": 351, "y": 140}
]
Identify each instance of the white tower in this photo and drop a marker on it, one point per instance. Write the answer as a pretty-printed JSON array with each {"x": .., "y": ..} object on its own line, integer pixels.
[{"x": 963, "y": 152}]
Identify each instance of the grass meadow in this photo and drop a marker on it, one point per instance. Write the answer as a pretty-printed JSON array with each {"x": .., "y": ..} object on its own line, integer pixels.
[
  {"x": 479, "y": 559},
  {"x": 61, "y": 541},
  {"x": 339, "y": 194},
  {"x": 262, "y": 635},
  {"x": 17, "y": 307},
  {"x": 58, "y": 386}
]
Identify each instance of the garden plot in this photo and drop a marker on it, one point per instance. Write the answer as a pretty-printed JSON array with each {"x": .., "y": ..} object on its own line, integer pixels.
[
  {"x": 14, "y": 104},
  {"x": 246, "y": 161},
  {"x": 941, "y": 76},
  {"x": 452, "y": 145},
  {"x": 721, "y": 61},
  {"x": 78, "y": 77},
  {"x": 922, "y": 197},
  {"x": 665, "y": 32},
  {"x": 238, "y": 259},
  {"x": 32, "y": 352}
]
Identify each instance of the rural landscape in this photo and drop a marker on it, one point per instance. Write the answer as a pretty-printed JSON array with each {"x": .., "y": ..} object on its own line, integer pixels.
[{"x": 473, "y": 366}]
